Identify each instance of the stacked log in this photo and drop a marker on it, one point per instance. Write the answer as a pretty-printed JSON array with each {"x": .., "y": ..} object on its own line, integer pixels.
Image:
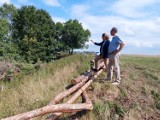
[
  {"x": 51, "y": 108},
  {"x": 77, "y": 94},
  {"x": 81, "y": 83}
]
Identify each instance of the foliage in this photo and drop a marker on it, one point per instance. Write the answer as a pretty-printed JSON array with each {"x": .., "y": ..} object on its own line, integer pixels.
[
  {"x": 31, "y": 34},
  {"x": 34, "y": 35},
  {"x": 74, "y": 35},
  {"x": 7, "y": 48}
]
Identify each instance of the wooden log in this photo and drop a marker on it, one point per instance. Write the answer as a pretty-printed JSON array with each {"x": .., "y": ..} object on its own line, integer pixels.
[
  {"x": 77, "y": 79},
  {"x": 67, "y": 92},
  {"x": 50, "y": 109},
  {"x": 85, "y": 98},
  {"x": 77, "y": 94},
  {"x": 87, "y": 75},
  {"x": 84, "y": 77}
]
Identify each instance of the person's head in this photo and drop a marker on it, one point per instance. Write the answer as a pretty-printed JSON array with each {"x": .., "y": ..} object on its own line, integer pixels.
[
  {"x": 113, "y": 31},
  {"x": 105, "y": 36}
]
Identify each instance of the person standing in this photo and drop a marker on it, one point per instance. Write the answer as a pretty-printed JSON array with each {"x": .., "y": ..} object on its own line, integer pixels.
[
  {"x": 103, "y": 51},
  {"x": 114, "y": 48}
]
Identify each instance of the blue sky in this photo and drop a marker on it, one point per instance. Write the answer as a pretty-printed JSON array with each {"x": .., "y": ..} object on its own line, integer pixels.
[{"x": 138, "y": 21}]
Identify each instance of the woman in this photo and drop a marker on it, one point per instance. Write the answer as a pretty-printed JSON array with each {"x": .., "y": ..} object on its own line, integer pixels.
[{"x": 103, "y": 51}]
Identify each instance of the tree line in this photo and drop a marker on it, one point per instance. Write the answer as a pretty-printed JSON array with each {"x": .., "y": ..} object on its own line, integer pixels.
[{"x": 30, "y": 34}]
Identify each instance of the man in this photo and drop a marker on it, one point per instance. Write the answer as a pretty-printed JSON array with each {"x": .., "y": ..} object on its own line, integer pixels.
[
  {"x": 114, "y": 48},
  {"x": 103, "y": 51}
]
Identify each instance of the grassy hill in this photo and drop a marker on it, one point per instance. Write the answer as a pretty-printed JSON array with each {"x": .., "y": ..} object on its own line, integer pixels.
[{"x": 137, "y": 98}]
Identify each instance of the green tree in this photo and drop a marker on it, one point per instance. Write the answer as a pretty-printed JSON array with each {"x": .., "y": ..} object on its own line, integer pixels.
[
  {"x": 7, "y": 11},
  {"x": 58, "y": 35},
  {"x": 4, "y": 29},
  {"x": 33, "y": 32},
  {"x": 7, "y": 47},
  {"x": 6, "y": 14},
  {"x": 74, "y": 35}
]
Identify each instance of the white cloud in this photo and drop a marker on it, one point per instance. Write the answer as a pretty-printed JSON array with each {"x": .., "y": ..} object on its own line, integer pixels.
[
  {"x": 23, "y": 1},
  {"x": 135, "y": 32},
  {"x": 80, "y": 10},
  {"x": 4, "y": 1},
  {"x": 52, "y": 2},
  {"x": 58, "y": 19},
  {"x": 132, "y": 8}
]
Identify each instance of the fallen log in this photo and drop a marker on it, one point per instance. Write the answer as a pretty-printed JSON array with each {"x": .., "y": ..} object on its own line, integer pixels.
[
  {"x": 67, "y": 92},
  {"x": 85, "y": 98},
  {"x": 87, "y": 75},
  {"x": 77, "y": 94},
  {"x": 50, "y": 109},
  {"x": 79, "y": 79},
  {"x": 61, "y": 107}
]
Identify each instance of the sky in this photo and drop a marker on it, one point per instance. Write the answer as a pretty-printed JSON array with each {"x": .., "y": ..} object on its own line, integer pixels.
[{"x": 138, "y": 21}]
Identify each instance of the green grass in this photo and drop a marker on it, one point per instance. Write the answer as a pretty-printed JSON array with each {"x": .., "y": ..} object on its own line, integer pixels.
[
  {"x": 136, "y": 98},
  {"x": 36, "y": 89}
]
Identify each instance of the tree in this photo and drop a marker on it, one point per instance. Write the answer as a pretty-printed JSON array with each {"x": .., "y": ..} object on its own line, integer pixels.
[
  {"x": 33, "y": 32},
  {"x": 4, "y": 29},
  {"x": 74, "y": 35},
  {"x": 58, "y": 35},
  {"x": 7, "y": 11},
  {"x": 7, "y": 47},
  {"x": 6, "y": 14}
]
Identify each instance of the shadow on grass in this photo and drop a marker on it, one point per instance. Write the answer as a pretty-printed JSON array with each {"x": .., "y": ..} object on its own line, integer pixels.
[{"x": 77, "y": 115}]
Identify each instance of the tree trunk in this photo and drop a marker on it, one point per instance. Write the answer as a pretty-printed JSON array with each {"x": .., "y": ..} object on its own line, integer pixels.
[
  {"x": 72, "y": 51},
  {"x": 67, "y": 92},
  {"x": 87, "y": 75},
  {"x": 62, "y": 107},
  {"x": 50, "y": 109},
  {"x": 77, "y": 94},
  {"x": 85, "y": 98}
]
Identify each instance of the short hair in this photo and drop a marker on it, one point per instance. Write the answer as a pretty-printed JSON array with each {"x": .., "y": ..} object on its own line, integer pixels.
[
  {"x": 105, "y": 35},
  {"x": 114, "y": 29}
]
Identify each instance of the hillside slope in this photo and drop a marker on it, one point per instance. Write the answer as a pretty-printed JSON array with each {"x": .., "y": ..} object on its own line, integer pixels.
[{"x": 137, "y": 97}]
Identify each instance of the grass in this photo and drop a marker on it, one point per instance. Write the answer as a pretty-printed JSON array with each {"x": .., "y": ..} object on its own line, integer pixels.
[
  {"x": 38, "y": 88},
  {"x": 136, "y": 98},
  {"x": 138, "y": 95}
]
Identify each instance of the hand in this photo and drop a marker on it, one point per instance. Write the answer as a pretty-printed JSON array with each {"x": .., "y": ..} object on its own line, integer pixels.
[
  {"x": 115, "y": 52},
  {"x": 92, "y": 41}
]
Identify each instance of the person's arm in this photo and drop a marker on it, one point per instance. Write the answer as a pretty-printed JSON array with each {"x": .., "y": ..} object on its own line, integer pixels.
[
  {"x": 92, "y": 41},
  {"x": 99, "y": 44},
  {"x": 120, "y": 48}
]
